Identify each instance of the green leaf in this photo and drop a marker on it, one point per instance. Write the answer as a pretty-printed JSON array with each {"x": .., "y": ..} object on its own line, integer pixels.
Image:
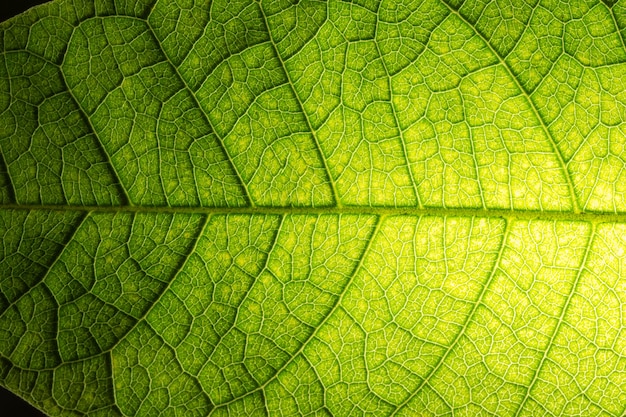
[{"x": 385, "y": 208}]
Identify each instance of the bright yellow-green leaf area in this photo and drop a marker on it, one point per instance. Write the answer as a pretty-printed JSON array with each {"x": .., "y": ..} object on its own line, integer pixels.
[{"x": 314, "y": 207}]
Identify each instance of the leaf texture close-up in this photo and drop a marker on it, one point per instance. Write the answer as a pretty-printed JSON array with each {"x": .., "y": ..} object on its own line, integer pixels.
[{"x": 314, "y": 208}]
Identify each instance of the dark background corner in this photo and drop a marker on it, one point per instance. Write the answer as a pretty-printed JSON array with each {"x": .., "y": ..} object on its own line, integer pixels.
[
  {"x": 12, "y": 8},
  {"x": 12, "y": 405}
]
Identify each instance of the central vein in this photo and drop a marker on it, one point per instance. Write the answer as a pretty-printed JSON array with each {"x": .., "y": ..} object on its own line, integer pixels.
[{"x": 599, "y": 217}]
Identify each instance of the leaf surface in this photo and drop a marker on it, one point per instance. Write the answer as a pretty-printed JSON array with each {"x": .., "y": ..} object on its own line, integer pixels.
[{"x": 337, "y": 208}]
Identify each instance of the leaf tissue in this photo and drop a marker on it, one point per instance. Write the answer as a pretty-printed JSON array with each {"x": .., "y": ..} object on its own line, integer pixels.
[{"x": 314, "y": 208}]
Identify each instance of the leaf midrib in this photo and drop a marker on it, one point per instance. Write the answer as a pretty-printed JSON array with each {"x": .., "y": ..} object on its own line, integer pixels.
[{"x": 588, "y": 216}]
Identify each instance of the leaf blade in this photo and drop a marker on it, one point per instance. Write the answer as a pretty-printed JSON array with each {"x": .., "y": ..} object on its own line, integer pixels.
[{"x": 313, "y": 208}]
